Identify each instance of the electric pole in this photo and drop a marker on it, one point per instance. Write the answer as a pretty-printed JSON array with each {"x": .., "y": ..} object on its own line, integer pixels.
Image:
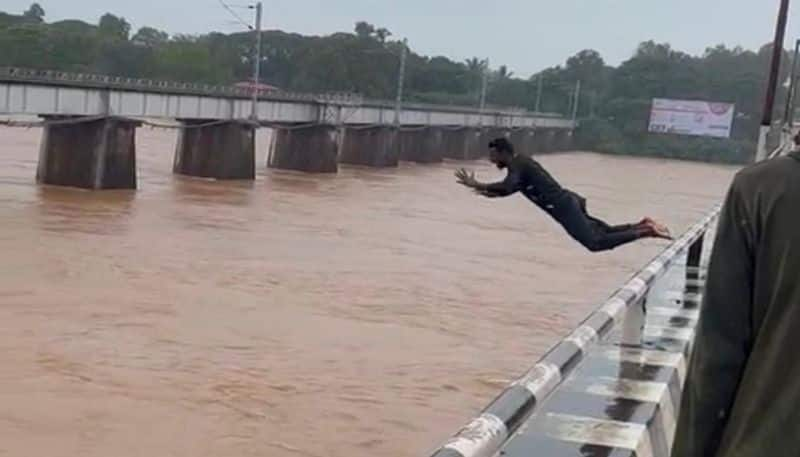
[
  {"x": 539, "y": 92},
  {"x": 257, "y": 65},
  {"x": 398, "y": 103},
  {"x": 769, "y": 101},
  {"x": 575, "y": 101},
  {"x": 484, "y": 86},
  {"x": 788, "y": 115}
]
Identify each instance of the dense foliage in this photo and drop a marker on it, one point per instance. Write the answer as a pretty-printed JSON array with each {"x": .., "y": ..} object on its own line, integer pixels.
[{"x": 614, "y": 103}]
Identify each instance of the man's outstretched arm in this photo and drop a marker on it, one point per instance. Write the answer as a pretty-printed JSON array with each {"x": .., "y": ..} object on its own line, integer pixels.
[{"x": 504, "y": 188}]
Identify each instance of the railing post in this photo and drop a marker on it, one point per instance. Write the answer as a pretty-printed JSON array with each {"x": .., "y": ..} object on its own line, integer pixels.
[
  {"x": 696, "y": 252},
  {"x": 633, "y": 326},
  {"x": 693, "y": 261}
]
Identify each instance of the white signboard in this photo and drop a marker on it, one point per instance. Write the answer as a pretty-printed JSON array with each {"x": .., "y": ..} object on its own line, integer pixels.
[{"x": 687, "y": 117}]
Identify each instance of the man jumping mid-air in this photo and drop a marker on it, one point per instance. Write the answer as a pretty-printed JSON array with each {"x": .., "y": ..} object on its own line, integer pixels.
[{"x": 568, "y": 208}]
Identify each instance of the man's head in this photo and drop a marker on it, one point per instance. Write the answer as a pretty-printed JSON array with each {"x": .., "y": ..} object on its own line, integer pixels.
[
  {"x": 501, "y": 152},
  {"x": 797, "y": 140}
]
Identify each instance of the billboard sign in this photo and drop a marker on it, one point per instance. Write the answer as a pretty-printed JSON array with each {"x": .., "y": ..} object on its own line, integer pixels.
[{"x": 691, "y": 117}]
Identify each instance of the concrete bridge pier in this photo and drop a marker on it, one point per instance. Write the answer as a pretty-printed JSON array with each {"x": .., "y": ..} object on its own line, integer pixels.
[
  {"x": 477, "y": 144},
  {"x": 563, "y": 140},
  {"x": 461, "y": 144},
  {"x": 421, "y": 145},
  {"x": 523, "y": 140},
  {"x": 219, "y": 150},
  {"x": 370, "y": 146},
  {"x": 544, "y": 141},
  {"x": 89, "y": 153},
  {"x": 312, "y": 149}
]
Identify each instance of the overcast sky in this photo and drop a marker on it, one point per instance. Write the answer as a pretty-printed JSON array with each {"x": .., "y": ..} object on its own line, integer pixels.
[{"x": 526, "y": 35}]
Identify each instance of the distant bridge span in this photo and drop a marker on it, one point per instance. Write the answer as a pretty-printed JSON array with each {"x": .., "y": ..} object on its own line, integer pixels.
[
  {"x": 52, "y": 93},
  {"x": 90, "y": 123}
]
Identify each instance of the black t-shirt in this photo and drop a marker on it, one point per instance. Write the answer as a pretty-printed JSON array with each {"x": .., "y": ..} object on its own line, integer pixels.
[{"x": 529, "y": 177}]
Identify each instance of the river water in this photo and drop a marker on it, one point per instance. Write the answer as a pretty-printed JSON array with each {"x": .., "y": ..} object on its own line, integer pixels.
[{"x": 369, "y": 313}]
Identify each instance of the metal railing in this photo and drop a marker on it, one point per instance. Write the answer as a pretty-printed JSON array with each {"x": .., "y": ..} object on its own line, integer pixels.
[
  {"x": 150, "y": 85},
  {"x": 488, "y": 433},
  {"x": 781, "y": 140},
  {"x": 91, "y": 80}
]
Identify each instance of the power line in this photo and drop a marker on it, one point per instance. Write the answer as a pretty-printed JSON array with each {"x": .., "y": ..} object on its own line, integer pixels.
[{"x": 233, "y": 13}]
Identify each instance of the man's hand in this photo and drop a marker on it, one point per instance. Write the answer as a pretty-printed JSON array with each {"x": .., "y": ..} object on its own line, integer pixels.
[{"x": 466, "y": 178}]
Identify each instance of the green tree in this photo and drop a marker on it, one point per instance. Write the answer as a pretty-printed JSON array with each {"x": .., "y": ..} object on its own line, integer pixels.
[
  {"x": 476, "y": 65},
  {"x": 382, "y": 34},
  {"x": 150, "y": 37},
  {"x": 113, "y": 27},
  {"x": 188, "y": 58},
  {"x": 557, "y": 88},
  {"x": 74, "y": 46},
  {"x": 364, "y": 29},
  {"x": 476, "y": 68},
  {"x": 35, "y": 13},
  {"x": 503, "y": 73},
  {"x": 614, "y": 106},
  {"x": 25, "y": 45}
]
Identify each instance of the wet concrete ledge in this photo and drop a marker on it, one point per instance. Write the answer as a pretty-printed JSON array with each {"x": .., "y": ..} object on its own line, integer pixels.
[{"x": 613, "y": 386}]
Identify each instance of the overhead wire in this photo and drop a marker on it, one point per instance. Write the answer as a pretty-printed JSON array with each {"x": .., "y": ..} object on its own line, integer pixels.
[{"x": 236, "y": 16}]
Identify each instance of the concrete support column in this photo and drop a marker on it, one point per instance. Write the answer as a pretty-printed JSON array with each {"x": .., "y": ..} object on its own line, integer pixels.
[
  {"x": 563, "y": 140},
  {"x": 461, "y": 144},
  {"x": 544, "y": 140},
  {"x": 313, "y": 149},
  {"x": 477, "y": 144},
  {"x": 373, "y": 147},
  {"x": 90, "y": 154},
  {"x": 223, "y": 150},
  {"x": 523, "y": 140},
  {"x": 422, "y": 145}
]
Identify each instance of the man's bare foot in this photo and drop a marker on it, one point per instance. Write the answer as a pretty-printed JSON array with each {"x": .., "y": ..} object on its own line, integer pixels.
[{"x": 647, "y": 221}]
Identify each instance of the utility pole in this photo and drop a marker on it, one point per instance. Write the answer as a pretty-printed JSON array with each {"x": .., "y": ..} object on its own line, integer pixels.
[
  {"x": 788, "y": 115},
  {"x": 539, "y": 93},
  {"x": 792, "y": 109},
  {"x": 484, "y": 86},
  {"x": 575, "y": 100},
  {"x": 257, "y": 65},
  {"x": 398, "y": 103},
  {"x": 769, "y": 102}
]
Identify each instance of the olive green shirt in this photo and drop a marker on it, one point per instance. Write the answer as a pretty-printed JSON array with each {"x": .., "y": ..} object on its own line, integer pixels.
[{"x": 742, "y": 395}]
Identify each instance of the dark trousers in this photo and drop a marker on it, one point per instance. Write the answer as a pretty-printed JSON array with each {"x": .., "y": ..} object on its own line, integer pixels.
[{"x": 594, "y": 234}]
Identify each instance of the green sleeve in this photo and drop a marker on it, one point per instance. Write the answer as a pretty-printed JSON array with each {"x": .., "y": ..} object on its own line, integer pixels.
[{"x": 723, "y": 340}]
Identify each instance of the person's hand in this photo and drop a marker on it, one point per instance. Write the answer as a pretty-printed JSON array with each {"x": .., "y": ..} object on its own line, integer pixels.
[{"x": 466, "y": 178}]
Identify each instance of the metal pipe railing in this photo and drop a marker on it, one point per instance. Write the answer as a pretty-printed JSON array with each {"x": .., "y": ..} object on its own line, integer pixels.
[
  {"x": 486, "y": 434},
  {"x": 335, "y": 98}
]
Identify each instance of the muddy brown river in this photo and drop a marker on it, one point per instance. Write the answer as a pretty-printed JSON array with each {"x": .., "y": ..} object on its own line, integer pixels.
[{"x": 369, "y": 313}]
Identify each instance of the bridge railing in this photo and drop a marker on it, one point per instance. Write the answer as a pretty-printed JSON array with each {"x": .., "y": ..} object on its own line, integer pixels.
[
  {"x": 489, "y": 432},
  {"x": 780, "y": 140},
  {"x": 55, "y": 77},
  {"x": 125, "y": 83}
]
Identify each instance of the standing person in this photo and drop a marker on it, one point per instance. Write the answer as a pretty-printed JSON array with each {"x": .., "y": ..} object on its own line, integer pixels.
[
  {"x": 742, "y": 394},
  {"x": 568, "y": 208}
]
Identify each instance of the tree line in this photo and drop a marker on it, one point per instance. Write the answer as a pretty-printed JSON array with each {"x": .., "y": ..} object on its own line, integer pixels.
[{"x": 613, "y": 107}]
